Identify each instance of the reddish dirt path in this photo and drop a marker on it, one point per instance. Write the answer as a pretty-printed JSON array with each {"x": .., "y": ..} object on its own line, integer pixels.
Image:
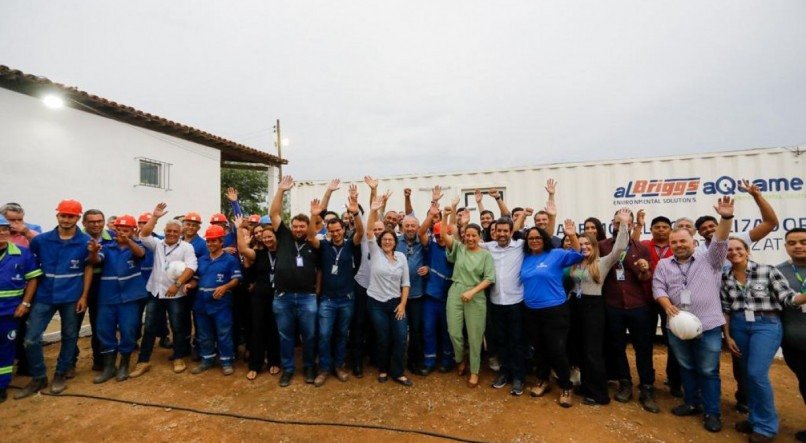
[{"x": 439, "y": 403}]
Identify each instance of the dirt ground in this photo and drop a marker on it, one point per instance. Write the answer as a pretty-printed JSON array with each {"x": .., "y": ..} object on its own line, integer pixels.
[{"x": 439, "y": 403}]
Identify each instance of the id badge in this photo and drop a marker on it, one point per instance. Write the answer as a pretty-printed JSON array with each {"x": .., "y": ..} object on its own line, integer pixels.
[
  {"x": 334, "y": 270},
  {"x": 749, "y": 316},
  {"x": 620, "y": 274},
  {"x": 685, "y": 297},
  {"x": 299, "y": 261}
]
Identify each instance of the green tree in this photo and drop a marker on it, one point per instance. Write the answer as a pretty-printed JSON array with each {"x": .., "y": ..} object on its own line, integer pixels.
[{"x": 252, "y": 187}]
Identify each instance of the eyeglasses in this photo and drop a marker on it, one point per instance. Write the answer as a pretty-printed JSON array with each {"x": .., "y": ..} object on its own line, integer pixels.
[{"x": 540, "y": 239}]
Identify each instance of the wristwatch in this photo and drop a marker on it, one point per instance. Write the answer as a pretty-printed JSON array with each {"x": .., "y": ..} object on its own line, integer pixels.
[{"x": 26, "y": 304}]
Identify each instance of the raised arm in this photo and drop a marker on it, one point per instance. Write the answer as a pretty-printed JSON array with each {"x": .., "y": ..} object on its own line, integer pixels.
[
  {"x": 352, "y": 208},
  {"x": 333, "y": 186},
  {"x": 232, "y": 196},
  {"x": 724, "y": 208},
  {"x": 769, "y": 220},
  {"x": 407, "y": 201},
  {"x": 622, "y": 240},
  {"x": 479, "y": 205},
  {"x": 276, "y": 207},
  {"x": 448, "y": 211},
  {"x": 518, "y": 224},
  {"x": 248, "y": 253},
  {"x": 638, "y": 228},
  {"x": 385, "y": 200},
  {"x": 373, "y": 216},
  {"x": 316, "y": 210},
  {"x": 551, "y": 206},
  {"x": 571, "y": 232},
  {"x": 496, "y": 194},
  {"x": 430, "y": 216},
  {"x": 158, "y": 212}
]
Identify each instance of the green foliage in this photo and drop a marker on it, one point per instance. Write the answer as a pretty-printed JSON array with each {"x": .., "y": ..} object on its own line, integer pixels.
[{"x": 252, "y": 187}]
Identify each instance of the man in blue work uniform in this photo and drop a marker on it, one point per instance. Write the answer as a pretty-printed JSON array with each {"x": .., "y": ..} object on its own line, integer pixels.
[
  {"x": 18, "y": 272},
  {"x": 218, "y": 274},
  {"x": 121, "y": 289},
  {"x": 94, "y": 223},
  {"x": 190, "y": 228},
  {"x": 66, "y": 256}
]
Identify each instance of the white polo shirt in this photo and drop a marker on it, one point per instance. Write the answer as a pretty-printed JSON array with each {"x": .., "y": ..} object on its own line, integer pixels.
[
  {"x": 508, "y": 288},
  {"x": 183, "y": 251}
]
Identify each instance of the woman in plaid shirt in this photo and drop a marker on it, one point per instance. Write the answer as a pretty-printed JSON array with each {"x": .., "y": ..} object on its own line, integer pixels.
[{"x": 753, "y": 296}]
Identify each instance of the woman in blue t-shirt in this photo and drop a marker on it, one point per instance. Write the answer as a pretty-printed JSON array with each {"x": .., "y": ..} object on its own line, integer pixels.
[{"x": 547, "y": 314}]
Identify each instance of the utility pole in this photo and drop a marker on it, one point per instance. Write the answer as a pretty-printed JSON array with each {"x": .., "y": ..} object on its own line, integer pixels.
[{"x": 278, "y": 141}]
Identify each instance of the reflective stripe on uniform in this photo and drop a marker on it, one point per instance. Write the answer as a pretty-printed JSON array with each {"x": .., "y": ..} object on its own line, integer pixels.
[
  {"x": 11, "y": 293},
  {"x": 78, "y": 274},
  {"x": 5, "y": 370},
  {"x": 33, "y": 274},
  {"x": 128, "y": 277}
]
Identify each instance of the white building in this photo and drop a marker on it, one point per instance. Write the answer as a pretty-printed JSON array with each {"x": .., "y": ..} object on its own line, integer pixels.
[{"x": 106, "y": 155}]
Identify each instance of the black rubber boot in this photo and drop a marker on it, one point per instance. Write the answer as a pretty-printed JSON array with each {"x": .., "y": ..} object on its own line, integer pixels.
[
  {"x": 33, "y": 386},
  {"x": 123, "y": 367},
  {"x": 109, "y": 368}
]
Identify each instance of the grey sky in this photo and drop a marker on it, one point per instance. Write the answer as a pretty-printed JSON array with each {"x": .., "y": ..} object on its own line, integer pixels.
[{"x": 393, "y": 87}]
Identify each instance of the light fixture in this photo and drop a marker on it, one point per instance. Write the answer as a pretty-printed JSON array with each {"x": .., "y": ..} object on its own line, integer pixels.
[
  {"x": 285, "y": 142},
  {"x": 53, "y": 101}
]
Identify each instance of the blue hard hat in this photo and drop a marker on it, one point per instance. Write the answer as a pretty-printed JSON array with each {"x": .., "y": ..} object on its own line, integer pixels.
[
  {"x": 4, "y": 221},
  {"x": 265, "y": 220}
]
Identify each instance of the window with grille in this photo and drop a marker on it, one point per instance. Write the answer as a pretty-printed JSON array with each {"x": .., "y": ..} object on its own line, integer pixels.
[{"x": 154, "y": 173}]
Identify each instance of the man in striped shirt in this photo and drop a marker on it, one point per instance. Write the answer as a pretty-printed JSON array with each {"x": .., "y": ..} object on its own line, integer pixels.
[{"x": 690, "y": 281}]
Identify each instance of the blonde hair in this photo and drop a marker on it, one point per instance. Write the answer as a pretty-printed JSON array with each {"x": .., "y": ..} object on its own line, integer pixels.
[{"x": 591, "y": 263}]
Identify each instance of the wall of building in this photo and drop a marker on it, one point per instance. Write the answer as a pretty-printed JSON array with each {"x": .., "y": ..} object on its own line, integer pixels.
[
  {"x": 687, "y": 186},
  {"x": 49, "y": 155}
]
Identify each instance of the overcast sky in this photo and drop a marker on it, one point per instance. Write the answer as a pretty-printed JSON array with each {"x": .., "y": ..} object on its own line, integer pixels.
[{"x": 397, "y": 87}]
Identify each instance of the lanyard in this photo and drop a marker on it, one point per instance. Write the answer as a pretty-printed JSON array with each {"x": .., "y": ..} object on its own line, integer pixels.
[
  {"x": 684, "y": 273},
  {"x": 299, "y": 247},
  {"x": 623, "y": 256},
  {"x": 166, "y": 251},
  {"x": 799, "y": 277},
  {"x": 337, "y": 252},
  {"x": 661, "y": 250}
]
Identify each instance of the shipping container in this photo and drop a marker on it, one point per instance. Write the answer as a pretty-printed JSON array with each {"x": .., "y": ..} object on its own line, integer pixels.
[{"x": 679, "y": 186}]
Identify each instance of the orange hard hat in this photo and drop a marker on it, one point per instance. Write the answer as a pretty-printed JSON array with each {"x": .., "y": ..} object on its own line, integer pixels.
[
  {"x": 144, "y": 217},
  {"x": 126, "y": 220},
  {"x": 193, "y": 216},
  {"x": 214, "y": 231},
  {"x": 218, "y": 218},
  {"x": 69, "y": 207},
  {"x": 254, "y": 218}
]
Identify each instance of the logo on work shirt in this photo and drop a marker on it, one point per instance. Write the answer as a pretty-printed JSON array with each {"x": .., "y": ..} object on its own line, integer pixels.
[
  {"x": 74, "y": 264},
  {"x": 130, "y": 263},
  {"x": 12, "y": 334},
  {"x": 16, "y": 277},
  {"x": 542, "y": 265},
  {"x": 219, "y": 278}
]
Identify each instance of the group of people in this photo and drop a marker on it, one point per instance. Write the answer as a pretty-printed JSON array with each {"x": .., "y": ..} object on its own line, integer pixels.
[{"x": 424, "y": 295}]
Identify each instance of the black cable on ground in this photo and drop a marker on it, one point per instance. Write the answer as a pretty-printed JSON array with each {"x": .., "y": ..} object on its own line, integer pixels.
[{"x": 263, "y": 419}]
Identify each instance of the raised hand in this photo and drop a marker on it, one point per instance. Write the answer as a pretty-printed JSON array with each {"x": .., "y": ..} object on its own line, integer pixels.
[
  {"x": 464, "y": 218},
  {"x": 436, "y": 193},
  {"x": 352, "y": 191},
  {"x": 570, "y": 227},
  {"x": 334, "y": 185},
  {"x": 724, "y": 207},
  {"x": 746, "y": 186},
  {"x": 316, "y": 207},
  {"x": 93, "y": 246},
  {"x": 287, "y": 183},
  {"x": 352, "y": 203},
  {"x": 159, "y": 210},
  {"x": 494, "y": 193},
  {"x": 433, "y": 210},
  {"x": 477, "y": 194},
  {"x": 551, "y": 186},
  {"x": 371, "y": 182},
  {"x": 529, "y": 211},
  {"x": 232, "y": 194},
  {"x": 623, "y": 216},
  {"x": 238, "y": 220},
  {"x": 407, "y": 192},
  {"x": 639, "y": 219},
  {"x": 455, "y": 201},
  {"x": 377, "y": 203}
]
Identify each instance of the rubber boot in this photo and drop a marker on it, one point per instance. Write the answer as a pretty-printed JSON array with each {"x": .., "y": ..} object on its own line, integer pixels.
[
  {"x": 109, "y": 368},
  {"x": 123, "y": 367}
]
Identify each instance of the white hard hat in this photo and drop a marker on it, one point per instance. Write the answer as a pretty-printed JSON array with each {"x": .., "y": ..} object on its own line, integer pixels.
[
  {"x": 175, "y": 269},
  {"x": 685, "y": 325}
]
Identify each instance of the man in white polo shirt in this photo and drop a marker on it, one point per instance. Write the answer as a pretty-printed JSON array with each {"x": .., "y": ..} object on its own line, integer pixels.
[{"x": 167, "y": 294}]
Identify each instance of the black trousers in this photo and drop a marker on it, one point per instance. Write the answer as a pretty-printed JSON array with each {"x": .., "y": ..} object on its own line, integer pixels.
[
  {"x": 641, "y": 322},
  {"x": 796, "y": 360},
  {"x": 414, "y": 313},
  {"x": 548, "y": 331},
  {"x": 361, "y": 332},
  {"x": 591, "y": 326},
  {"x": 264, "y": 339},
  {"x": 507, "y": 333}
]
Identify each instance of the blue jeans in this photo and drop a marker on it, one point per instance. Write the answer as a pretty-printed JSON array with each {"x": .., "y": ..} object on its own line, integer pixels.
[
  {"x": 435, "y": 333},
  {"x": 758, "y": 341},
  {"x": 123, "y": 316},
  {"x": 699, "y": 369},
  {"x": 334, "y": 312},
  {"x": 389, "y": 333},
  {"x": 290, "y": 309},
  {"x": 156, "y": 308},
  {"x": 214, "y": 326},
  {"x": 40, "y": 317},
  {"x": 8, "y": 331}
]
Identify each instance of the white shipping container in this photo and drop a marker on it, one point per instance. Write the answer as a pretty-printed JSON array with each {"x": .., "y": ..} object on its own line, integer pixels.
[{"x": 680, "y": 186}]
